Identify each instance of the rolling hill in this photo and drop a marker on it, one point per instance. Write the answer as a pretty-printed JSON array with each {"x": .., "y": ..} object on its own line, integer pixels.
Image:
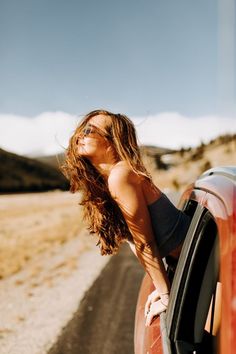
[
  {"x": 178, "y": 169},
  {"x": 22, "y": 174}
]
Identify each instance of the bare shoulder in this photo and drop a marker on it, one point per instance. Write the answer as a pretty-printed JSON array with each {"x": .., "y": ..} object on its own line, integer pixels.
[{"x": 122, "y": 174}]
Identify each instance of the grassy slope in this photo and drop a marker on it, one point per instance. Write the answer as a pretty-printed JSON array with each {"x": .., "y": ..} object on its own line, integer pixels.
[
  {"x": 180, "y": 168},
  {"x": 21, "y": 174}
]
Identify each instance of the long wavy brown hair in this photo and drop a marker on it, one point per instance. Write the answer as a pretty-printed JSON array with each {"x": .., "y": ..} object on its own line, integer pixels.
[{"x": 101, "y": 212}]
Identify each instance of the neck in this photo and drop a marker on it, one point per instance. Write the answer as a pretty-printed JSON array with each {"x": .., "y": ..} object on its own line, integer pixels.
[{"x": 104, "y": 166}]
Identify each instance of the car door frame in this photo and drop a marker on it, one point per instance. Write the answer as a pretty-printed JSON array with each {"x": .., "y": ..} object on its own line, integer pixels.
[{"x": 170, "y": 319}]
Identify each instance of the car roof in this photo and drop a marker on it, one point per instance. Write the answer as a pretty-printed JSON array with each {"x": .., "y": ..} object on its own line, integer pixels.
[
  {"x": 227, "y": 171},
  {"x": 221, "y": 182}
]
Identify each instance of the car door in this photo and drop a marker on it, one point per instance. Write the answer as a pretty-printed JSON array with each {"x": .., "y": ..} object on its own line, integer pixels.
[{"x": 192, "y": 320}]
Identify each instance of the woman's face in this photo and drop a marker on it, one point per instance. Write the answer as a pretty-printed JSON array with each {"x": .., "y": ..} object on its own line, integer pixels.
[{"x": 92, "y": 141}]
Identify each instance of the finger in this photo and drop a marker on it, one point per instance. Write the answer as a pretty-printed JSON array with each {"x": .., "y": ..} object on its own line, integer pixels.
[
  {"x": 156, "y": 297},
  {"x": 149, "y": 319},
  {"x": 156, "y": 309},
  {"x": 147, "y": 306}
]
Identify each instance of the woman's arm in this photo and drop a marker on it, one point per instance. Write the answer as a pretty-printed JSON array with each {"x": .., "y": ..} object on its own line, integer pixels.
[{"x": 126, "y": 188}]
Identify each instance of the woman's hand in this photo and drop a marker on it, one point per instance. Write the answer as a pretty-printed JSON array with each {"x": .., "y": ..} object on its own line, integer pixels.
[
  {"x": 157, "y": 307},
  {"x": 154, "y": 296}
]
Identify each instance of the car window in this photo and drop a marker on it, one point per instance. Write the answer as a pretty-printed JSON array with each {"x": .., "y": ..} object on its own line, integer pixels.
[{"x": 194, "y": 311}]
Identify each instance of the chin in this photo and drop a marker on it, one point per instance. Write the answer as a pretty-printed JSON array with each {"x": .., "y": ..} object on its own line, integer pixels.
[{"x": 82, "y": 151}]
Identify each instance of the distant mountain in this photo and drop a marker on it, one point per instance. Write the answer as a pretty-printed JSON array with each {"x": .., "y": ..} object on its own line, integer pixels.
[
  {"x": 52, "y": 160},
  {"x": 22, "y": 174}
]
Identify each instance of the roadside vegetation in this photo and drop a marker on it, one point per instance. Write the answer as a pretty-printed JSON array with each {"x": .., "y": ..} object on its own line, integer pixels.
[{"x": 176, "y": 169}]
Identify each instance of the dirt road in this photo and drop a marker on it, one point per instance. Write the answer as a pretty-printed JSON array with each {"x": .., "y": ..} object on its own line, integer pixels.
[{"x": 104, "y": 322}]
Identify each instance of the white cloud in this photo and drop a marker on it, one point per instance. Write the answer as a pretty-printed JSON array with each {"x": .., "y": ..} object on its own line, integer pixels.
[
  {"x": 172, "y": 130},
  {"x": 44, "y": 134},
  {"x": 49, "y": 132}
]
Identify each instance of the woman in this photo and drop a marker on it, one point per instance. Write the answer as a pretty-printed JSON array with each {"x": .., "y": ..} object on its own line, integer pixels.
[{"x": 120, "y": 201}]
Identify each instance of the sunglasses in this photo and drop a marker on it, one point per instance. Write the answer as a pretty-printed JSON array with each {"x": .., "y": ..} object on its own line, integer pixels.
[{"x": 90, "y": 130}]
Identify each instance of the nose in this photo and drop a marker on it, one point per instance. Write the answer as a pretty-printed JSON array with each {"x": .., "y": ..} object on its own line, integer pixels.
[{"x": 81, "y": 134}]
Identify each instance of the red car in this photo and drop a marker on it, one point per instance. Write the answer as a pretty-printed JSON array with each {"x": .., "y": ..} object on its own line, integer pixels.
[{"x": 201, "y": 316}]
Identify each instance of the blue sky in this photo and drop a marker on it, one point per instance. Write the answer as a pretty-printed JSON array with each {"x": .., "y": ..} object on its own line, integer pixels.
[
  {"x": 161, "y": 62},
  {"x": 138, "y": 57}
]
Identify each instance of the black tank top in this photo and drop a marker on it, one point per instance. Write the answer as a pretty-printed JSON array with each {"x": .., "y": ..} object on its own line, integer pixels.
[{"x": 170, "y": 225}]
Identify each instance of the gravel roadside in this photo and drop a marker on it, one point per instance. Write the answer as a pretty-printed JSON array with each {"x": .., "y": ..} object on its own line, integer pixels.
[{"x": 36, "y": 305}]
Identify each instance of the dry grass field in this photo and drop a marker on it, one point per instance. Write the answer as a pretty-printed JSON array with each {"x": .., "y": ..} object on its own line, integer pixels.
[{"x": 34, "y": 223}]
